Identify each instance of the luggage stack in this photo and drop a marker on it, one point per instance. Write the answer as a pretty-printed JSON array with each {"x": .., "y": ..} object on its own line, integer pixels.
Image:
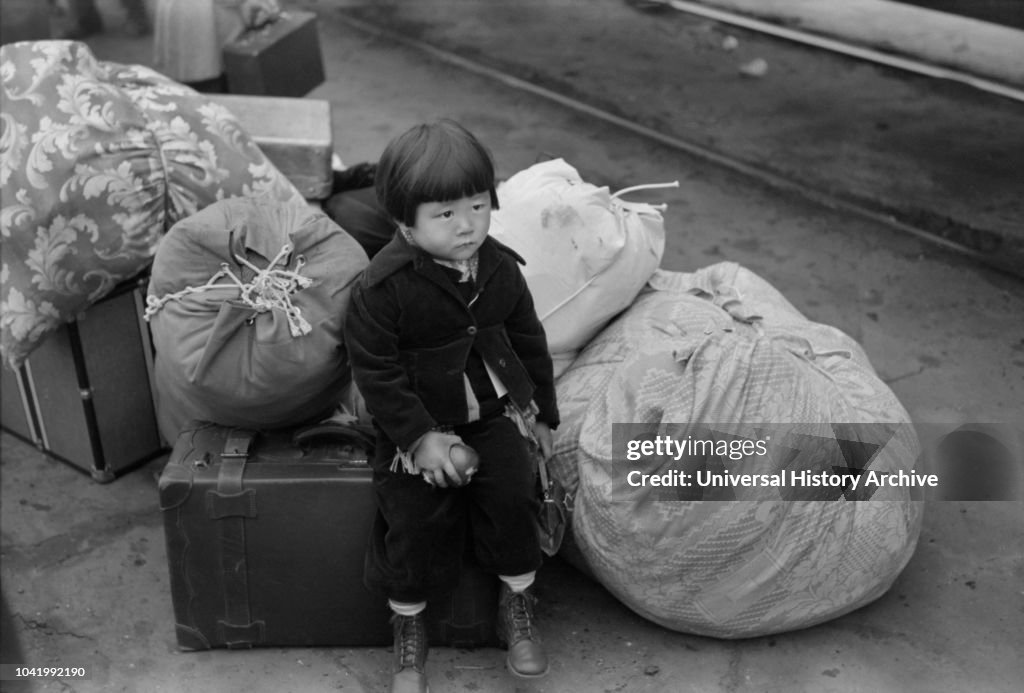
[
  {"x": 266, "y": 527},
  {"x": 266, "y": 530},
  {"x": 85, "y": 396}
]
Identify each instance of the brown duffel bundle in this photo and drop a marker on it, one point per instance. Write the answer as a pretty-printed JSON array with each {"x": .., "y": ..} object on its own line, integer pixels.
[{"x": 246, "y": 304}]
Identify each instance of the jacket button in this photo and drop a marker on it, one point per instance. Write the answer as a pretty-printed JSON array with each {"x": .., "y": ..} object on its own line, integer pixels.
[
  {"x": 501, "y": 363},
  {"x": 471, "y": 329}
]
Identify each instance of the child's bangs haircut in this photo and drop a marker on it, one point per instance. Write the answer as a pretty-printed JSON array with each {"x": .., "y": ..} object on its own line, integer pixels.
[{"x": 433, "y": 162}]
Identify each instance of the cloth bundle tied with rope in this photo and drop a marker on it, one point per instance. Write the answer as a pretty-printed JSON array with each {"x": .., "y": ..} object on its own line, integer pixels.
[
  {"x": 588, "y": 252},
  {"x": 269, "y": 288},
  {"x": 245, "y": 305}
]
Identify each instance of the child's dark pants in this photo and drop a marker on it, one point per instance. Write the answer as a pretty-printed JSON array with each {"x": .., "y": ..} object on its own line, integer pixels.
[{"x": 419, "y": 534}]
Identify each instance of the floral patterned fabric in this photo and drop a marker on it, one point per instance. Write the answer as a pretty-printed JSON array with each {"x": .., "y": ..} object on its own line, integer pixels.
[
  {"x": 722, "y": 349},
  {"x": 98, "y": 161}
]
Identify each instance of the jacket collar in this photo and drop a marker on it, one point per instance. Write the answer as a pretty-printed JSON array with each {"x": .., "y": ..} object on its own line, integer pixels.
[{"x": 398, "y": 253}]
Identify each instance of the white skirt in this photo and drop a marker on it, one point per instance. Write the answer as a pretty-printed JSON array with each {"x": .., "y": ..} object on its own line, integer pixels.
[{"x": 188, "y": 36}]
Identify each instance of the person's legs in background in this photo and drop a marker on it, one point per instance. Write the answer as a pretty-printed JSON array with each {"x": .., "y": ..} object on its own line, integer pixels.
[
  {"x": 136, "y": 18},
  {"x": 185, "y": 45},
  {"x": 214, "y": 85},
  {"x": 85, "y": 19}
]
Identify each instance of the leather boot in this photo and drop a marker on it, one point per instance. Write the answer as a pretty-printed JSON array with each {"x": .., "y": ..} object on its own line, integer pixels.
[
  {"x": 410, "y": 655},
  {"x": 516, "y": 630}
]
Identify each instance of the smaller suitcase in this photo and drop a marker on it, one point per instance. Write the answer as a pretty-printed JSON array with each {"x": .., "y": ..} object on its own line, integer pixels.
[
  {"x": 281, "y": 58},
  {"x": 266, "y": 536},
  {"x": 295, "y": 134}
]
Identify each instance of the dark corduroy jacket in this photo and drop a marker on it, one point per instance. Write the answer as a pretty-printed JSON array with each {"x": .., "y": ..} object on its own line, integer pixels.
[{"x": 409, "y": 333}]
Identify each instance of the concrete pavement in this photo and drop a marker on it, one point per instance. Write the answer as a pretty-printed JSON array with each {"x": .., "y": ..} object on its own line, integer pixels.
[
  {"x": 83, "y": 565},
  {"x": 923, "y": 156},
  {"x": 974, "y": 46}
]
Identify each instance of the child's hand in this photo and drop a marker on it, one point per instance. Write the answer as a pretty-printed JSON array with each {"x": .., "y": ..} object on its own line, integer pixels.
[
  {"x": 432, "y": 458},
  {"x": 543, "y": 433}
]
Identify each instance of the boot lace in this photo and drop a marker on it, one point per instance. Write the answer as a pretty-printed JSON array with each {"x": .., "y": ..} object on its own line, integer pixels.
[
  {"x": 411, "y": 641},
  {"x": 520, "y": 617}
]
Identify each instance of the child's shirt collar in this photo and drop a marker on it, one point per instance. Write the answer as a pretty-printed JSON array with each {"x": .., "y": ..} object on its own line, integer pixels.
[
  {"x": 467, "y": 268},
  {"x": 398, "y": 253}
]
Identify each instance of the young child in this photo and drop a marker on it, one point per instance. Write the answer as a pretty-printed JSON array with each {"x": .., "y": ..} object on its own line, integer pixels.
[{"x": 446, "y": 348}]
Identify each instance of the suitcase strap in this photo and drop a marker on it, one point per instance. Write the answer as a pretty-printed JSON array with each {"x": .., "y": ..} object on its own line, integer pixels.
[{"x": 230, "y": 505}]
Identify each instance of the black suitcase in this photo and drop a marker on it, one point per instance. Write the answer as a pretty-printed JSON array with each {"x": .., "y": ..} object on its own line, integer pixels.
[
  {"x": 266, "y": 536},
  {"x": 85, "y": 395}
]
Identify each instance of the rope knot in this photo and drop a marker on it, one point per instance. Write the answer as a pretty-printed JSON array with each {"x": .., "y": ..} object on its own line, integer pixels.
[{"x": 268, "y": 289}]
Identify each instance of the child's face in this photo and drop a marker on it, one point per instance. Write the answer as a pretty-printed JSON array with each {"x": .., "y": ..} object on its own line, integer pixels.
[{"x": 453, "y": 230}]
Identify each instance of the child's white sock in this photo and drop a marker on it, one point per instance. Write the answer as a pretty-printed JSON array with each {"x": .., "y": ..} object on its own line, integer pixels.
[
  {"x": 519, "y": 583},
  {"x": 407, "y": 608}
]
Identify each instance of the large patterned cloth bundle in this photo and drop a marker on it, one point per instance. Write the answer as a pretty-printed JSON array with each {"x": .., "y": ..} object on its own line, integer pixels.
[
  {"x": 98, "y": 161},
  {"x": 720, "y": 353},
  {"x": 245, "y": 304}
]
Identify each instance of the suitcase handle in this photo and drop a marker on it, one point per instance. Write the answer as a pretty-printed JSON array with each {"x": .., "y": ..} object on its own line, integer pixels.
[{"x": 359, "y": 435}]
